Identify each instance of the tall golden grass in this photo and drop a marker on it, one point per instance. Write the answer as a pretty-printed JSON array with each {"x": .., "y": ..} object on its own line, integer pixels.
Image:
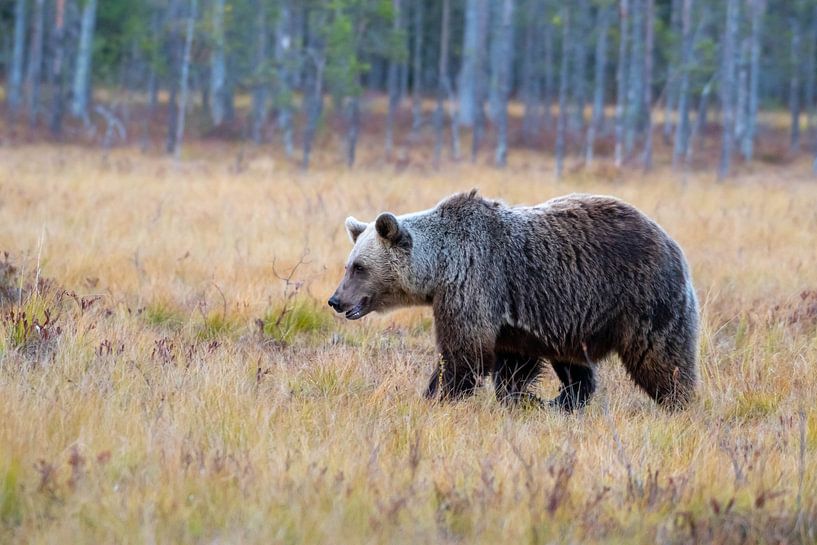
[{"x": 188, "y": 384}]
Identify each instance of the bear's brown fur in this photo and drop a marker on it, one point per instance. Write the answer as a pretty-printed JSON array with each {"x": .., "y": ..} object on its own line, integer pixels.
[{"x": 568, "y": 281}]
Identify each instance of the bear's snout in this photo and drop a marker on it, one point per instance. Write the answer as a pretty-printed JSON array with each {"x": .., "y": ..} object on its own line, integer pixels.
[{"x": 334, "y": 302}]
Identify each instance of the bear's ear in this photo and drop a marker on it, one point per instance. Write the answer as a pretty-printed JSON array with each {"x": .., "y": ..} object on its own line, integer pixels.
[
  {"x": 354, "y": 228},
  {"x": 389, "y": 228}
]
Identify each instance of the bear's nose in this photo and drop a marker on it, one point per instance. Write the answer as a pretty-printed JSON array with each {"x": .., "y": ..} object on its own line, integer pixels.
[{"x": 334, "y": 302}]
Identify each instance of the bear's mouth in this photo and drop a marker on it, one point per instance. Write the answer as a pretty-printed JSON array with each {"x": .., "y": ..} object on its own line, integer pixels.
[{"x": 359, "y": 310}]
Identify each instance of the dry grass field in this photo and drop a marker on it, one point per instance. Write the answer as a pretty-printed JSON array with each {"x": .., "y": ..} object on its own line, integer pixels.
[{"x": 169, "y": 372}]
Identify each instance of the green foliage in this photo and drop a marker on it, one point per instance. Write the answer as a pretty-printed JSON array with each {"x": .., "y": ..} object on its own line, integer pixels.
[
  {"x": 300, "y": 316},
  {"x": 11, "y": 501},
  {"x": 356, "y": 30},
  {"x": 751, "y": 405},
  {"x": 163, "y": 314},
  {"x": 215, "y": 326}
]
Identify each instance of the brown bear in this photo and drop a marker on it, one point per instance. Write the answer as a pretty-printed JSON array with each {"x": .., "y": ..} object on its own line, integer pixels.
[{"x": 568, "y": 282}]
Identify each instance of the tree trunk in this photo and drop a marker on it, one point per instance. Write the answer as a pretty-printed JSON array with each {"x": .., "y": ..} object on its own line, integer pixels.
[
  {"x": 173, "y": 50},
  {"x": 531, "y": 80},
  {"x": 794, "y": 82},
  {"x": 671, "y": 88},
  {"x": 15, "y": 81},
  {"x": 260, "y": 83},
  {"x": 602, "y": 24},
  {"x": 443, "y": 85},
  {"x": 218, "y": 66},
  {"x": 481, "y": 83},
  {"x": 184, "y": 79},
  {"x": 649, "y": 38},
  {"x": 393, "y": 85},
  {"x": 635, "y": 98},
  {"x": 473, "y": 56},
  {"x": 502, "y": 63},
  {"x": 757, "y": 8},
  {"x": 35, "y": 63},
  {"x": 417, "y": 69},
  {"x": 727, "y": 87},
  {"x": 700, "y": 122},
  {"x": 82, "y": 72},
  {"x": 811, "y": 72},
  {"x": 682, "y": 127},
  {"x": 284, "y": 62},
  {"x": 563, "y": 76},
  {"x": 621, "y": 81},
  {"x": 549, "y": 80},
  {"x": 58, "y": 54},
  {"x": 352, "y": 128},
  {"x": 579, "y": 71},
  {"x": 313, "y": 88},
  {"x": 742, "y": 91}
]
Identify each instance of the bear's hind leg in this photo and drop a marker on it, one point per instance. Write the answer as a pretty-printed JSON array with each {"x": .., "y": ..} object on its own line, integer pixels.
[
  {"x": 663, "y": 363},
  {"x": 667, "y": 377},
  {"x": 578, "y": 385},
  {"x": 512, "y": 375}
]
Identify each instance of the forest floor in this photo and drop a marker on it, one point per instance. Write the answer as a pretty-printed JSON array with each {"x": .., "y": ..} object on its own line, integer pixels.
[{"x": 169, "y": 372}]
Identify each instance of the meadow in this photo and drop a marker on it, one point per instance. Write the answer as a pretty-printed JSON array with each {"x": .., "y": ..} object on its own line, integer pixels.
[{"x": 170, "y": 372}]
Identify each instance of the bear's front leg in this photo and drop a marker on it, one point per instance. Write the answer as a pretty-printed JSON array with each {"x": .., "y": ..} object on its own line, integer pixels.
[
  {"x": 466, "y": 337},
  {"x": 457, "y": 375}
]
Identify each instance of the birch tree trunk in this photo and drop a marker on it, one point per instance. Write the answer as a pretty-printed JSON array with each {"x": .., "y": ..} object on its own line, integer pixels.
[
  {"x": 549, "y": 79},
  {"x": 57, "y": 75},
  {"x": 742, "y": 91},
  {"x": 621, "y": 81},
  {"x": 635, "y": 98},
  {"x": 682, "y": 126},
  {"x": 393, "y": 85},
  {"x": 700, "y": 121},
  {"x": 218, "y": 66},
  {"x": 579, "y": 71},
  {"x": 481, "y": 83},
  {"x": 794, "y": 82},
  {"x": 531, "y": 84},
  {"x": 443, "y": 84},
  {"x": 353, "y": 128},
  {"x": 173, "y": 51},
  {"x": 561, "y": 128},
  {"x": 35, "y": 63},
  {"x": 727, "y": 87},
  {"x": 313, "y": 89},
  {"x": 757, "y": 8},
  {"x": 811, "y": 71},
  {"x": 602, "y": 24},
  {"x": 649, "y": 38},
  {"x": 671, "y": 89},
  {"x": 15, "y": 80},
  {"x": 82, "y": 72},
  {"x": 417, "y": 69},
  {"x": 502, "y": 63},
  {"x": 184, "y": 79},
  {"x": 284, "y": 62},
  {"x": 260, "y": 89},
  {"x": 471, "y": 74}
]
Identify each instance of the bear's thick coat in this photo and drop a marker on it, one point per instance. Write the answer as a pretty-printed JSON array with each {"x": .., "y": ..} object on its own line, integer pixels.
[{"x": 568, "y": 281}]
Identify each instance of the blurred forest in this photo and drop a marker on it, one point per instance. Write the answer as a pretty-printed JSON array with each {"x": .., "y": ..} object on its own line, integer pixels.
[{"x": 471, "y": 78}]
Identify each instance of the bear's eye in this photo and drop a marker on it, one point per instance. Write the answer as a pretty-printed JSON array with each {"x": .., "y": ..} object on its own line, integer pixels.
[{"x": 358, "y": 268}]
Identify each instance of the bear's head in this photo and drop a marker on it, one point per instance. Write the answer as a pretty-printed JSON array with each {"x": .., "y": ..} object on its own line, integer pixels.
[{"x": 376, "y": 272}]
